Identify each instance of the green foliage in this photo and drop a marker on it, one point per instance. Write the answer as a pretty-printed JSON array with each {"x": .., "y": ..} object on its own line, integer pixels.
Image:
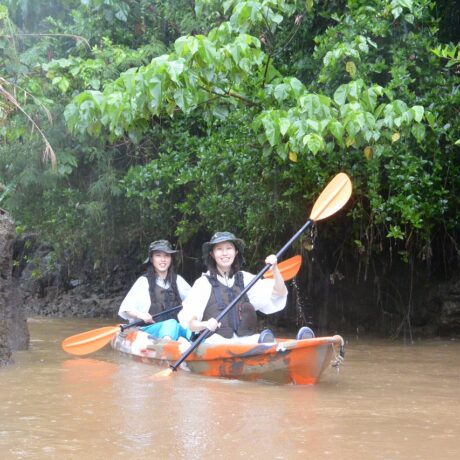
[
  {"x": 74, "y": 73},
  {"x": 449, "y": 52},
  {"x": 171, "y": 124},
  {"x": 200, "y": 69},
  {"x": 179, "y": 192}
]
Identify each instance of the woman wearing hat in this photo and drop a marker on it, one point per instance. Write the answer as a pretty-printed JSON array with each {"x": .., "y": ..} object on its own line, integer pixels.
[
  {"x": 223, "y": 281},
  {"x": 159, "y": 289}
]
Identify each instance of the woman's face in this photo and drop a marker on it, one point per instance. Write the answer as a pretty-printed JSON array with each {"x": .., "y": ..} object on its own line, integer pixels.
[
  {"x": 224, "y": 254},
  {"x": 161, "y": 262}
]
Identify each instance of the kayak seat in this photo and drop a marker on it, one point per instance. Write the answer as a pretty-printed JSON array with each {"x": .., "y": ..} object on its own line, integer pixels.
[
  {"x": 266, "y": 336},
  {"x": 305, "y": 333}
]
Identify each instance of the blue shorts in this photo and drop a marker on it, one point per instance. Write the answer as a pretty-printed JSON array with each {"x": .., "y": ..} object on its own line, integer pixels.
[{"x": 170, "y": 328}]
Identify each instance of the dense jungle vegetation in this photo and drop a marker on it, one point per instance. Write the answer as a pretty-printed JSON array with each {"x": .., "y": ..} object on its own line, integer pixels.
[{"x": 124, "y": 121}]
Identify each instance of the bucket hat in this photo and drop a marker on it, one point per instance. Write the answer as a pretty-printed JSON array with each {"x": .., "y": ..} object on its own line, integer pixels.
[
  {"x": 220, "y": 237},
  {"x": 160, "y": 246}
]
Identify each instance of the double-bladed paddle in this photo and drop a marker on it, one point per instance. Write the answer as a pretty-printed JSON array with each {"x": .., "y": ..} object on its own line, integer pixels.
[
  {"x": 332, "y": 198},
  {"x": 91, "y": 341}
]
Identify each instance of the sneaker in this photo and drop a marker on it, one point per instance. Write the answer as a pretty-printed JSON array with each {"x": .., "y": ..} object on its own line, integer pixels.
[
  {"x": 305, "y": 333},
  {"x": 266, "y": 336}
]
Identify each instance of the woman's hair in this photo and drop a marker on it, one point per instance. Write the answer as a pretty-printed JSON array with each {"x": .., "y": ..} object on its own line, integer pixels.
[{"x": 234, "y": 269}]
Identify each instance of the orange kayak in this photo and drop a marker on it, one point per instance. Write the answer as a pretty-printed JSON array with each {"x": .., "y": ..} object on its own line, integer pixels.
[{"x": 288, "y": 361}]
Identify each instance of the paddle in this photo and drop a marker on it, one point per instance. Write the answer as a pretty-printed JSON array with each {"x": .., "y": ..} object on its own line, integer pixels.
[
  {"x": 91, "y": 341},
  {"x": 288, "y": 268},
  {"x": 332, "y": 198}
]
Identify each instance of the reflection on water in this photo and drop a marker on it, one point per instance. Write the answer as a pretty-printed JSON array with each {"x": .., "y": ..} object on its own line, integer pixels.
[{"x": 390, "y": 401}]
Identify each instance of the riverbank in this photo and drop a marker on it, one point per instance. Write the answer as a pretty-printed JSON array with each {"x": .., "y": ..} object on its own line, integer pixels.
[{"x": 33, "y": 284}]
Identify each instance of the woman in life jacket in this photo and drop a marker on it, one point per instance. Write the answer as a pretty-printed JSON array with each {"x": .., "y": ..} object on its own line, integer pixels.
[
  {"x": 158, "y": 290},
  {"x": 224, "y": 280}
]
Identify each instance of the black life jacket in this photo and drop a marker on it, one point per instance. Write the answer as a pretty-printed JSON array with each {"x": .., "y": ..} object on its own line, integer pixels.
[
  {"x": 162, "y": 299},
  {"x": 241, "y": 319}
]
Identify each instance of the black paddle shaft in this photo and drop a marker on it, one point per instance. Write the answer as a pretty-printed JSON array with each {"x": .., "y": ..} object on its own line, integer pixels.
[
  {"x": 156, "y": 315},
  {"x": 206, "y": 333}
]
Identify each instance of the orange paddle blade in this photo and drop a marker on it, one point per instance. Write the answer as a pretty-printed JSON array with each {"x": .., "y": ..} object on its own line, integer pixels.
[
  {"x": 288, "y": 268},
  {"x": 90, "y": 341},
  {"x": 162, "y": 374},
  {"x": 332, "y": 198}
]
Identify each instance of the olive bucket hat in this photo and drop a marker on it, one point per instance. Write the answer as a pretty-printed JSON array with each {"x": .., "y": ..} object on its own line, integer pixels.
[
  {"x": 220, "y": 237},
  {"x": 160, "y": 246}
]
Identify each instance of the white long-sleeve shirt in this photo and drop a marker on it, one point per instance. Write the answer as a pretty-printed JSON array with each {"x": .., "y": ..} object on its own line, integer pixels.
[
  {"x": 138, "y": 297},
  {"x": 260, "y": 296}
]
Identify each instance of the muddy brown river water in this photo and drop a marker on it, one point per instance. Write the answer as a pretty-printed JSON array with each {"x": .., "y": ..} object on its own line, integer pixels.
[{"x": 389, "y": 401}]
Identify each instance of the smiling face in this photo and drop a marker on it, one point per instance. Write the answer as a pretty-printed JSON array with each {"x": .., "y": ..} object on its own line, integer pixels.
[
  {"x": 224, "y": 254},
  {"x": 161, "y": 262}
]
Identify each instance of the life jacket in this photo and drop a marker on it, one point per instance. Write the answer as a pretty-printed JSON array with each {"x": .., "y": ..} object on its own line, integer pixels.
[
  {"x": 162, "y": 299},
  {"x": 241, "y": 319}
]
